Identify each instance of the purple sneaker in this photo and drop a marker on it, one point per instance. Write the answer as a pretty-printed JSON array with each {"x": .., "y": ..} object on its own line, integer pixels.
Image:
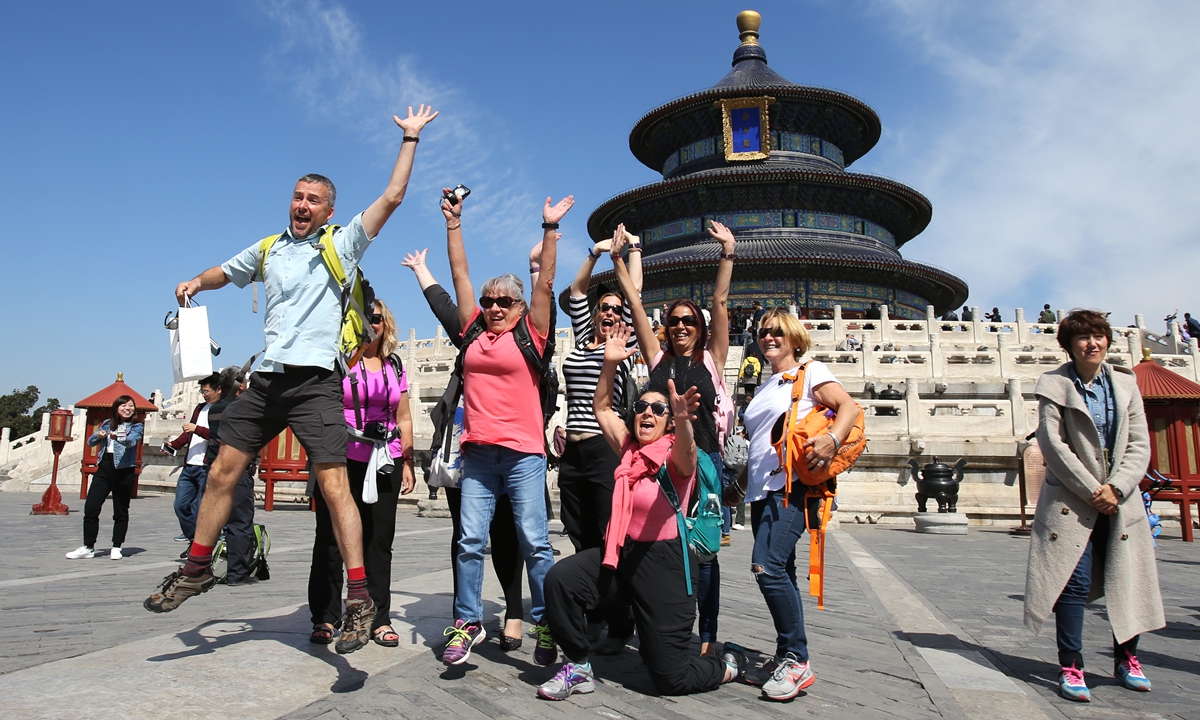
[
  {"x": 545, "y": 653},
  {"x": 569, "y": 679},
  {"x": 463, "y": 636}
]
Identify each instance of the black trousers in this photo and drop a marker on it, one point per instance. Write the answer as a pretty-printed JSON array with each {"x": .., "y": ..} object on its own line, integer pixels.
[
  {"x": 239, "y": 529},
  {"x": 107, "y": 479},
  {"x": 507, "y": 559},
  {"x": 378, "y": 531},
  {"x": 585, "y": 487},
  {"x": 650, "y": 578}
]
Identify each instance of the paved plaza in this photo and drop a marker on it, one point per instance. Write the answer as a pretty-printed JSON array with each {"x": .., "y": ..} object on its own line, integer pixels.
[{"x": 915, "y": 626}]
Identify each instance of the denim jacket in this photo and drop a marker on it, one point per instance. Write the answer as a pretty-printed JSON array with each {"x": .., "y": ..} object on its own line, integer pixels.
[{"x": 125, "y": 452}]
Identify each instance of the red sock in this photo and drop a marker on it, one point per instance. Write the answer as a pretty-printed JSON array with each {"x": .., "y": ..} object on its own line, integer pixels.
[
  {"x": 199, "y": 560},
  {"x": 356, "y": 583}
]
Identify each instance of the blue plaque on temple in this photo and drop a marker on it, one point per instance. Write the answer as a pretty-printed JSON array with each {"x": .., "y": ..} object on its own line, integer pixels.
[{"x": 747, "y": 136}]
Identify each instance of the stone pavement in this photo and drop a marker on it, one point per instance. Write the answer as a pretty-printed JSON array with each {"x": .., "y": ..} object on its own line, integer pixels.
[{"x": 916, "y": 626}]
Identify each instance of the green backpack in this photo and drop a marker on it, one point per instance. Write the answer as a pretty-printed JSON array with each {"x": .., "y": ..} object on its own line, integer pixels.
[
  {"x": 700, "y": 527},
  {"x": 357, "y": 298}
]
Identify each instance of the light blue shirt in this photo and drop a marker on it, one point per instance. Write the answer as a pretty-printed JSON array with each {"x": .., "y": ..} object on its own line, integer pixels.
[
  {"x": 304, "y": 312},
  {"x": 1100, "y": 404}
]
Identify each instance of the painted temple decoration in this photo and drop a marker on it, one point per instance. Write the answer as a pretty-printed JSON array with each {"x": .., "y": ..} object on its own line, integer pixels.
[{"x": 768, "y": 158}]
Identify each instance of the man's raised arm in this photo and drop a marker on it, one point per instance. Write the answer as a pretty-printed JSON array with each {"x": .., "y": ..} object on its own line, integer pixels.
[
  {"x": 211, "y": 279},
  {"x": 375, "y": 216}
]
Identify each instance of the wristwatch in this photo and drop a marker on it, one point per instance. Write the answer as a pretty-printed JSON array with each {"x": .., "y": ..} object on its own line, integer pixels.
[{"x": 1117, "y": 491}]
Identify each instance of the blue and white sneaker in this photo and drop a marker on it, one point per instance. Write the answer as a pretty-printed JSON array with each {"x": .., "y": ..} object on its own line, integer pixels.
[
  {"x": 1072, "y": 686},
  {"x": 1129, "y": 672},
  {"x": 569, "y": 679}
]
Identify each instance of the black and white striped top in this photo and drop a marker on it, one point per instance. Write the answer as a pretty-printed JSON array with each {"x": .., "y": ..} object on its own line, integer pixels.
[{"x": 581, "y": 368}]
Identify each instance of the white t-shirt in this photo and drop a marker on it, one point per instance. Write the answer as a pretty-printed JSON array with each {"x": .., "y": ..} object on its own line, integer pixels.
[
  {"x": 199, "y": 445},
  {"x": 772, "y": 399}
]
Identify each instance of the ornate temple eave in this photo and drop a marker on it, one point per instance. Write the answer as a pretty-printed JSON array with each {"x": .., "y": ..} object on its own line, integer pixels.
[
  {"x": 893, "y": 205},
  {"x": 823, "y": 100}
]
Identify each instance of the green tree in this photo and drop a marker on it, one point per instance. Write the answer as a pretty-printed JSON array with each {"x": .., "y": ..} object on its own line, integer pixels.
[{"x": 15, "y": 411}]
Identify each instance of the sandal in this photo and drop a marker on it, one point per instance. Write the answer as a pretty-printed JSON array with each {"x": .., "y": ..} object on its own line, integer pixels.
[
  {"x": 322, "y": 634},
  {"x": 385, "y": 636}
]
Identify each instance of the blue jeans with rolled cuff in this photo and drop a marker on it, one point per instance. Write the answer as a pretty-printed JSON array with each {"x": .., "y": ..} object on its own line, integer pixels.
[
  {"x": 189, "y": 488},
  {"x": 777, "y": 530},
  {"x": 488, "y": 470}
]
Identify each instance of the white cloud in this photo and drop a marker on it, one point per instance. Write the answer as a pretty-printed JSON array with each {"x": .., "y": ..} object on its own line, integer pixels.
[
  {"x": 1067, "y": 164},
  {"x": 343, "y": 74}
]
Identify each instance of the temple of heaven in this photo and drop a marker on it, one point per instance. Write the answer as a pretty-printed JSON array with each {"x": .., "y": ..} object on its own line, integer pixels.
[{"x": 768, "y": 158}]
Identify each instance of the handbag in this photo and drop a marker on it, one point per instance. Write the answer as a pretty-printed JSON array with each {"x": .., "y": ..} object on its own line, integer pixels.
[
  {"x": 445, "y": 467},
  {"x": 191, "y": 353}
]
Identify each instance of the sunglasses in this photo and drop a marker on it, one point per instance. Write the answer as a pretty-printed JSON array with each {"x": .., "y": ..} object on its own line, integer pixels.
[
  {"x": 616, "y": 309},
  {"x": 772, "y": 331},
  {"x": 504, "y": 302},
  {"x": 376, "y": 319},
  {"x": 658, "y": 408},
  {"x": 689, "y": 320}
]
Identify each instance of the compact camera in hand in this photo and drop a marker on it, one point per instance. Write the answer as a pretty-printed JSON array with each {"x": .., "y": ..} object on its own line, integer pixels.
[{"x": 456, "y": 195}]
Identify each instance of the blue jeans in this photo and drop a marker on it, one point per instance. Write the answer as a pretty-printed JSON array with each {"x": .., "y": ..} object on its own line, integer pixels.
[
  {"x": 777, "y": 529},
  {"x": 487, "y": 471},
  {"x": 188, "y": 491},
  {"x": 1069, "y": 610}
]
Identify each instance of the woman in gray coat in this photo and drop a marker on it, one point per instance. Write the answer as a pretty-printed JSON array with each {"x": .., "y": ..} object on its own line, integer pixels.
[{"x": 1091, "y": 538}]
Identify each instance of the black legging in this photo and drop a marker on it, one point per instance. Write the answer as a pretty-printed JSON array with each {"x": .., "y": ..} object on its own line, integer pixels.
[
  {"x": 507, "y": 559},
  {"x": 108, "y": 479},
  {"x": 378, "y": 532},
  {"x": 585, "y": 487}
]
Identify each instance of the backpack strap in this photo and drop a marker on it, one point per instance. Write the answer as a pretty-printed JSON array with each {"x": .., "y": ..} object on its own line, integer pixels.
[
  {"x": 787, "y": 462},
  {"x": 664, "y": 482}
]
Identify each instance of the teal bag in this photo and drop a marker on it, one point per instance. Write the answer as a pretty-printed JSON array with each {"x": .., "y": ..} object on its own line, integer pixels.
[{"x": 700, "y": 527}]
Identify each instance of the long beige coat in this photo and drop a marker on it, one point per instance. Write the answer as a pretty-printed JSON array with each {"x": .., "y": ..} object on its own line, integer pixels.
[{"x": 1075, "y": 468}]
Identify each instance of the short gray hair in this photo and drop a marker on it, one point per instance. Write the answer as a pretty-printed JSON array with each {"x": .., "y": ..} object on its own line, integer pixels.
[
  {"x": 321, "y": 179},
  {"x": 508, "y": 283}
]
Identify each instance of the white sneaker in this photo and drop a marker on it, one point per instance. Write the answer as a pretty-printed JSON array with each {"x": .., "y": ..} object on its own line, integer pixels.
[
  {"x": 738, "y": 526},
  {"x": 115, "y": 553},
  {"x": 83, "y": 552}
]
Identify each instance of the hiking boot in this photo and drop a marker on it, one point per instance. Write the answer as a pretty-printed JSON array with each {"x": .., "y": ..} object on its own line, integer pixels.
[
  {"x": 176, "y": 588},
  {"x": 569, "y": 679},
  {"x": 356, "y": 626},
  {"x": 1072, "y": 686},
  {"x": 760, "y": 675},
  {"x": 734, "y": 657},
  {"x": 545, "y": 653},
  {"x": 463, "y": 636},
  {"x": 788, "y": 680},
  {"x": 1129, "y": 673},
  {"x": 83, "y": 552}
]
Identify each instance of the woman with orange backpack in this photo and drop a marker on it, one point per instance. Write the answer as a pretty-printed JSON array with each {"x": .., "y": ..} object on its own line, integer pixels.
[{"x": 778, "y": 514}]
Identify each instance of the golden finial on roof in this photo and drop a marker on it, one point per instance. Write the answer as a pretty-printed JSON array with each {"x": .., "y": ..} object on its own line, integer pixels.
[
  {"x": 748, "y": 22},
  {"x": 1145, "y": 354},
  {"x": 120, "y": 377}
]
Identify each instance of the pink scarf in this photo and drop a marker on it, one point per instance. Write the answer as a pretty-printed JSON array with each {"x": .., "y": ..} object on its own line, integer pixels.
[{"x": 637, "y": 462}]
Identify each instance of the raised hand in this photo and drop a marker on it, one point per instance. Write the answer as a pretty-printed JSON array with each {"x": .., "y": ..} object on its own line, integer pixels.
[
  {"x": 535, "y": 255},
  {"x": 452, "y": 212},
  {"x": 615, "y": 350},
  {"x": 413, "y": 123},
  {"x": 682, "y": 406},
  {"x": 412, "y": 260},
  {"x": 553, "y": 214},
  {"x": 723, "y": 235},
  {"x": 618, "y": 242}
]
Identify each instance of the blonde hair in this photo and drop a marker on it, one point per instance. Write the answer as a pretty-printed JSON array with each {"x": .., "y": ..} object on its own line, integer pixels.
[
  {"x": 793, "y": 329},
  {"x": 387, "y": 332}
]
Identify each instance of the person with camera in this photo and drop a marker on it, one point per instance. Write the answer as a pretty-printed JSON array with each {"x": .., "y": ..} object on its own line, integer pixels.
[
  {"x": 189, "y": 487},
  {"x": 375, "y": 401},
  {"x": 118, "y": 438},
  {"x": 298, "y": 384},
  {"x": 503, "y": 439}
]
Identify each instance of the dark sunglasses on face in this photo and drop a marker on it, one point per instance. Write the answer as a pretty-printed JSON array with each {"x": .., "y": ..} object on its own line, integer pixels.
[
  {"x": 689, "y": 320},
  {"x": 605, "y": 307},
  {"x": 504, "y": 302},
  {"x": 772, "y": 331},
  {"x": 377, "y": 319},
  {"x": 658, "y": 408}
]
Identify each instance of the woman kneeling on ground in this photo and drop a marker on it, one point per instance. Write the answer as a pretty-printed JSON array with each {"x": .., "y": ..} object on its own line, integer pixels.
[{"x": 641, "y": 563}]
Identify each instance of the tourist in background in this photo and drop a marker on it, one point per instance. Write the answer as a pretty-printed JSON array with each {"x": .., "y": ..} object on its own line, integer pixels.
[
  {"x": 585, "y": 471},
  {"x": 778, "y": 527},
  {"x": 506, "y": 548},
  {"x": 503, "y": 439},
  {"x": 118, "y": 438},
  {"x": 375, "y": 402},
  {"x": 967, "y": 315},
  {"x": 239, "y": 528},
  {"x": 1047, "y": 315},
  {"x": 189, "y": 487},
  {"x": 693, "y": 357},
  {"x": 1091, "y": 537},
  {"x": 642, "y": 561}
]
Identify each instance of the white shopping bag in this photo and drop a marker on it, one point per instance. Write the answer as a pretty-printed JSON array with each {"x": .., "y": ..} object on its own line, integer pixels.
[
  {"x": 445, "y": 466},
  {"x": 191, "y": 354}
]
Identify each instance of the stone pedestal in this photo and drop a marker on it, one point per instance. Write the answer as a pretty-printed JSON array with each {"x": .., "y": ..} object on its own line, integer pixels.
[
  {"x": 941, "y": 523},
  {"x": 433, "y": 508}
]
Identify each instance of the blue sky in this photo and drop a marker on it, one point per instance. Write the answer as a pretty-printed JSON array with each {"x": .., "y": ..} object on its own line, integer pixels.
[{"x": 147, "y": 141}]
